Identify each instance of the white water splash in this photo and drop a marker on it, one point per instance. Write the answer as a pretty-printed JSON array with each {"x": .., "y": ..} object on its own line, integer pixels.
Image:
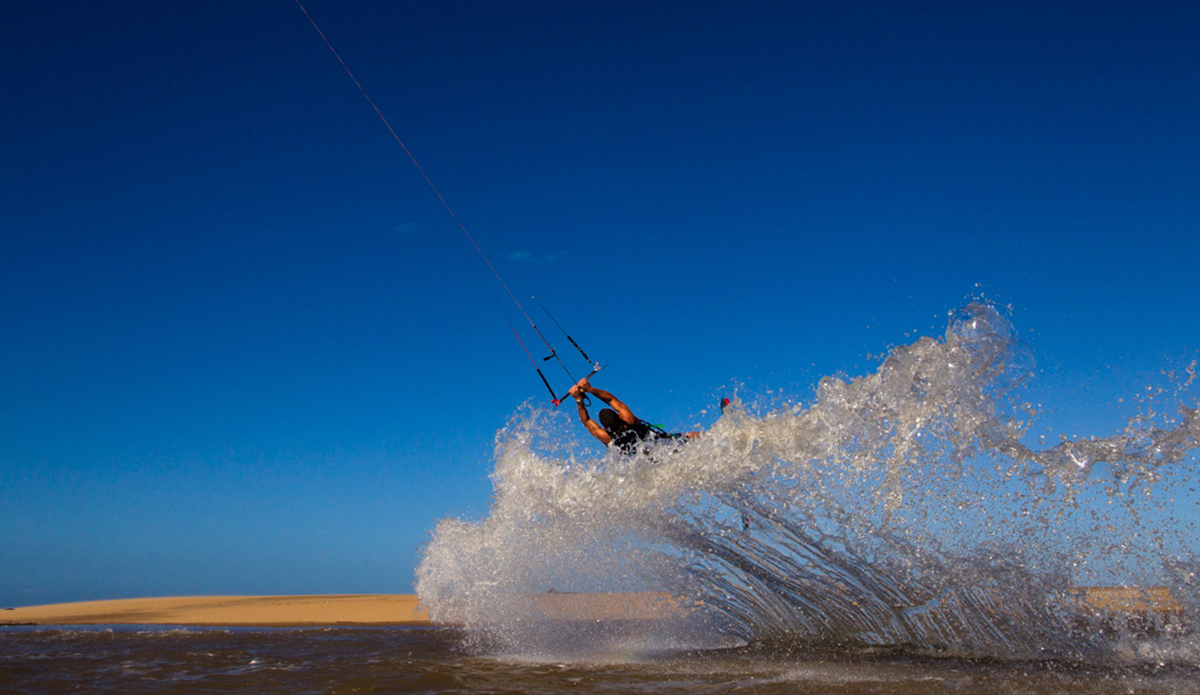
[{"x": 901, "y": 509}]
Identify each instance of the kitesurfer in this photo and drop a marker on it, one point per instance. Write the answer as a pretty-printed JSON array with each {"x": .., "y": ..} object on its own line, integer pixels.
[{"x": 618, "y": 426}]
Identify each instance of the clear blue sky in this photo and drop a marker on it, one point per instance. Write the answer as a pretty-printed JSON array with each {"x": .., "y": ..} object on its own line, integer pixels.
[{"x": 243, "y": 349}]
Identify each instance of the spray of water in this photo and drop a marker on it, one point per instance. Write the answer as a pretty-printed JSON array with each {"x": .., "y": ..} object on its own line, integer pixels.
[{"x": 900, "y": 510}]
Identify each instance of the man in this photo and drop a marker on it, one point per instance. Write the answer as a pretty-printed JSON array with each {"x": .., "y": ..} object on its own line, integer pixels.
[{"x": 619, "y": 426}]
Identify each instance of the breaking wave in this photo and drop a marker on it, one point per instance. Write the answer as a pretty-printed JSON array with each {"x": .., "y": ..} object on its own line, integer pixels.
[{"x": 904, "y": 509}]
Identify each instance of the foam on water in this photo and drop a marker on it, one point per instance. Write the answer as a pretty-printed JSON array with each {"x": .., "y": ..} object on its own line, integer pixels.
[{"x": 902, "y": 509}]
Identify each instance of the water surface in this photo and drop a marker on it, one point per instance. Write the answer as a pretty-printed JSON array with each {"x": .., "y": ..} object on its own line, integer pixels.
[{"x": 134, "y": 659}]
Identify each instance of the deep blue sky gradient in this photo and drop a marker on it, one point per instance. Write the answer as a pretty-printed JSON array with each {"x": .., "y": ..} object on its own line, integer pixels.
[{"x": 243, "y": 348}]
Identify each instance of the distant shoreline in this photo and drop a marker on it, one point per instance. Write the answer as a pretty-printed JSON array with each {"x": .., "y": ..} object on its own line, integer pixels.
[
  {"x": 231, "y": 611},
  {"x": 384, "y": 610}
]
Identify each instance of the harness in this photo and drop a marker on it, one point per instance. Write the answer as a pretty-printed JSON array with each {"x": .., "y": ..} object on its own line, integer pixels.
[{"x": 628, "y": 439}]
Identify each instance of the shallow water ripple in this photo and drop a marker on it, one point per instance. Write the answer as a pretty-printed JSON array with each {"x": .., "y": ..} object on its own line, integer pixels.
[{"x": 431, "y": 660}]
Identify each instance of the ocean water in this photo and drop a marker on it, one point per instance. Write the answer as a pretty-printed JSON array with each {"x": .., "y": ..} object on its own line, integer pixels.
[{"x": 434, "y": 660}]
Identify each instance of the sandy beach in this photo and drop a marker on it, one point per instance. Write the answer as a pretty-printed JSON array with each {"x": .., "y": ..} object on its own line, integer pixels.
[
  {"x": 251, "y": 611},
  {"x": 406, "y": 609},
  {"x": 337, "y": 609}
]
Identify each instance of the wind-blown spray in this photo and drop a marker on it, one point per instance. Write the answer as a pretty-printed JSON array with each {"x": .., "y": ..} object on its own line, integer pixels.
[{"x": 901, "y": 509}]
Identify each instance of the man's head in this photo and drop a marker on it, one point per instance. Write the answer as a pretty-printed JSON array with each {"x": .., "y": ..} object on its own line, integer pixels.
[{"x": 612, "y": 422}]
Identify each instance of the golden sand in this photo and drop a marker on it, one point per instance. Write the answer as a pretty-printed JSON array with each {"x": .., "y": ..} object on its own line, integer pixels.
[
  {"x": 1129, "y": 599},
  {"x": 258, "y": 611},
  {"x": 406, "y": 609}
]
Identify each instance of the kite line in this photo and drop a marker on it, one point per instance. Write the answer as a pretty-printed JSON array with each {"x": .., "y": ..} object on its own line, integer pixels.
[{"x": 553, "y": 353}]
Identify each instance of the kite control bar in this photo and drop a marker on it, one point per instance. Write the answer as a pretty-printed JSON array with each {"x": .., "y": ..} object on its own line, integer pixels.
[{"x": 595, "y": 368}]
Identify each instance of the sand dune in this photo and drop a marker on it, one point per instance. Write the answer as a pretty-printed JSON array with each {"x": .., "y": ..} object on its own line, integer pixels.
[
  {"x": 1129, "y": 599},
  {"x": 350, "y": 609},
  {"x": 262, "y": 611},
  {"x": 405, "y": 609}
]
